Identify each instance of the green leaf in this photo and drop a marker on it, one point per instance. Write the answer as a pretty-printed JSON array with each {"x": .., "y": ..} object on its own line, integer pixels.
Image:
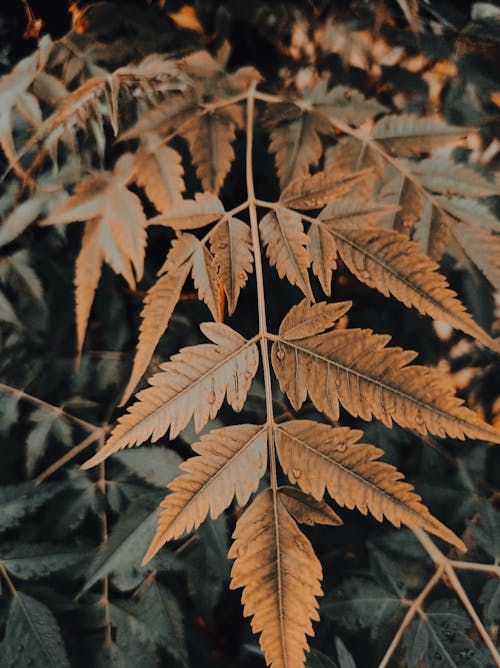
[
  {"x": 157, "y": 466},
  {"x": 362, "y": 604},
  {"x": 32, "y": 636},
  {"x": 33, "y": 560},
  {"x": 17, "y": 501},
  {"x": 319, "y": 660},
  {"x": 343, "y": 654},
  {"x": 124, "y": 549},
  {"x": 416, "y": 641},
  {"x": 487, "y": 532}
]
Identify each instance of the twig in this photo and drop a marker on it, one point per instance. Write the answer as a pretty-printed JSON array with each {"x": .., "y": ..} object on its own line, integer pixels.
[
  {"x": 50, "y": 407},
  {"x": 71, "y": 454},
  {"x": 447, "y": 566},
  {"x": 414, "y": 608}
]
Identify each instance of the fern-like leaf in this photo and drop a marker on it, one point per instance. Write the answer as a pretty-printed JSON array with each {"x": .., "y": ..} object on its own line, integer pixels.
[
  {"x": 286, "y": 247},
  {"x": 408, "y": 135},
  {"x": 323, "y": 254},
  {"x": 280, "y": 574},
  {"x": 158, "y": 169},
  {"x": 295, "y": 139},
  {"x": 230, "y": 463},
  {"x": 206, "y": 280},
  {"x": 191, "y": 214},
  {"x": 317, "y": 456},
  {"x": 210, "y": 140},
  {"x": 159, "y": 305},
  {"x": 231, "y": 246},
  {"x": 387, "y": 261},
  {"x": 443, "y": 176},
  {"x": 88, "y": 268},
  {"x": 193, "y": 383},
  {"x": 313, "y": 192},
  {"x": 355, "y": 368}
]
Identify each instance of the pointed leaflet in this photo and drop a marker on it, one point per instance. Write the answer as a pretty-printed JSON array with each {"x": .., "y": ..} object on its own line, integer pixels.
[
  {"x": 387, "y": 261},
  {"x": 409, "y": 135},
  {"x": 193, "y": 383},
  {"x": 32, "y": 635},
  {"x": 231, "y": 462},
  {"x": 317, "y": 456},
  {"x": 306, "y": 509},
  {"x": 355, "y": 368},
  {"x": 482, "y": 247},
  {"x": 323, "y": 253},
  {"x": 231, "y": 246},
  {"x": 210, "y": 139},
  {"x": 280, "y": 574},
  {"x": 158, "y": 169},
  {"x": 159, "y": 305},
  {"x": 294, "y": 138},
  {"x": 205, "y": 279},
  {"x": 121, "y": 235},
  {"x": 313, "y": 192},
  {"x": 190, "y": 214},
  {"x": 433, "y": 231},
  {"x": 443, "y": 176},
  {"x": 88, "y": 269},
  {"x": 344, "y": 103},
  {"x": 286, "y": 247},
  {"x": 165, "y": 117},
  {"x": 353, "y": 212}
]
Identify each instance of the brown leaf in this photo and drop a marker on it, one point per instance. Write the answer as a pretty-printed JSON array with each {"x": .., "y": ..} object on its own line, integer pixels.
[
  {"x": 230, "y": 463},
  {"x": 280, "y": 574},
  {"x": 354, "y": 367},
  {"x": 286, "y": 247},
  {"x": 306, "y": 509},
  {"x": 231, "y": 246},
  {"x": 317, "y": 456},
  {"x": 192, "y": 384}
]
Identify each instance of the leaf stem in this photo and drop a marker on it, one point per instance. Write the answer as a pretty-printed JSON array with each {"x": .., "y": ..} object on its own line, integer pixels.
[
  {"x": 7, "y": 579},
  {"x": 414, "y": 608},
  {"x": 44, "y": 404},
  {"x": 261, "y": 301},
  {"x": 448, "y": 567}
]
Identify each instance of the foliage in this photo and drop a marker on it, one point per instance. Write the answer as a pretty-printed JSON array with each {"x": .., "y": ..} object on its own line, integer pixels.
[{"x": 269, "y": 227}]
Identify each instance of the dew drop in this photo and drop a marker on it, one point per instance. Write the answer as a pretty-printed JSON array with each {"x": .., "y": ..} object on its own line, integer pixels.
[
  {"x": 280, "y": 353},
  {"x": 338, "y": 382},
  {"x": 364, "y": 275},
  {"x": 296, "y": 473},
  {"x": 419, "y": 419},
  {"x": 248, "y": 375},
  {"x": 341, "y": 447},
  {"x": 211, "y": 397},
  {"x": 242, "y": 550}
]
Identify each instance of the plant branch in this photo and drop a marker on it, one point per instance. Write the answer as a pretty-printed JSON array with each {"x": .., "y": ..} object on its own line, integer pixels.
[
  {"x": 252, "y": 207},
  {"x": 415, "y": 607},
  {"x": 50, "y": 407},
  {"x": 68, "y": 456},
  {"x": 447, "y": 566}
]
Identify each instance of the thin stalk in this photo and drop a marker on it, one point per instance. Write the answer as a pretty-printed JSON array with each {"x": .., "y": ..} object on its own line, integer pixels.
[
  {"x": 101, "y": 484},
  {"x": 261, "y": 301},
  {"x": 50, "y": 407},
  {"x": 68, "y": 456},
  {"x": 414, "y": 608},
  {"x": 7, "y": 579},
  {"x": 447, "y": 565}
]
